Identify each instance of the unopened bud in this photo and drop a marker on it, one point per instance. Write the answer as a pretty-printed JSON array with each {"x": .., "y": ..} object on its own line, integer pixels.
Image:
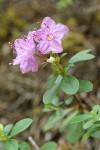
[{"x": 51, "y": 60}]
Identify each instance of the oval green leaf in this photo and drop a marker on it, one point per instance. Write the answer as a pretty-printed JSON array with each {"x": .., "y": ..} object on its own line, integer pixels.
[
  {"x": 74, "y": 132},
  {"x": 23, "y": 146},
  {"x": 80, "y": 118},
  {"x": 88, "y": 124},
  {"x": 81, "y": 56},
  {"x": 8, "y": 128},
  {"x": 49, "y": 146},
  {"x": 89, "y": 133},
  {"x": 20, "y": 126},
  {"x": 52, "y": 92},
  {"x": 51, "y": 80},
  {"x": 70, "y": 84},
  {"x": 85, "y": 86},
  {"x": 11, "y": 145}
]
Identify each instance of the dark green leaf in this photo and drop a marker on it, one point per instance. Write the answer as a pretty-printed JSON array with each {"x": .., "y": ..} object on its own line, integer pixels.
[
  {"x": 51, "y": 93},
  {"x": 97, "y": 133},
  {"x": 8, "y": 128},
  {"x": 23, "y": 146},
  {"x": 69, "y": 84},
  {"x": 20, "y": 126},
  {"x": 81, "y": 56},
  {"x": 69, "y": 65},
  {"x": 11, "y": 145},
  {"x": 56, "y": 102},
  {"x": 49, "y": 146},
  {"x": 85, "y": 86},
  {"x": 96, "y": 108},
  {"x": 74, "y": 132},
  {"x": 97, "y": 117},
  {"x": 66, "y": 121},
  {"x": 54, "y": 118},
  {"x": 69, "y": 100},
  {"x": 63, "y": 55},
  {"x": 46, "y": 109},
  {"x": 51, "y": 80},
  {"x": 90, "y": 132},
  {"x": 88, "y": 124},
  {"x": 81, "y": 118}
]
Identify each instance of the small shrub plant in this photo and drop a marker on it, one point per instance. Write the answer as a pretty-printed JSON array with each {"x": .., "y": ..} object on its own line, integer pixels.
[{"x": 39, "y": 48}]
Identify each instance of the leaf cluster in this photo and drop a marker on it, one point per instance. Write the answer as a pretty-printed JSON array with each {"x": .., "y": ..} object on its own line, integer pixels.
[
  {"x": 90, "y": 121},
  {"x": 8, "y": 132}
]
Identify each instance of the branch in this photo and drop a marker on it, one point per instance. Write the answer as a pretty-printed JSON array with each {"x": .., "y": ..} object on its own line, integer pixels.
[{"x": 34, "y": 144}]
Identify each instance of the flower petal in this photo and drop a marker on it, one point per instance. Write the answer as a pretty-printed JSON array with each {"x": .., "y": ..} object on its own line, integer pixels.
[
  {"x": 34, "y": 65},
  {"x": 47, "y": 22},
  {"x": 18, "y": 59},
  {"x": 29, "y": 65},
  {"x": 20, "y": 46},
  {"x": 30, "y": 40},
  {"x": 60, "y": 30},
  {"x": 39, "y": 35},
  {"x": 56, "y": 47},
  {"x": 24, "y": 66},
  {"x": 43, "y": 46}
]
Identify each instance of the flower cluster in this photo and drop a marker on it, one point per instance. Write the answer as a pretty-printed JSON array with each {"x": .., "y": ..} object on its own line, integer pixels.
[{"x": 42, "y": 41}]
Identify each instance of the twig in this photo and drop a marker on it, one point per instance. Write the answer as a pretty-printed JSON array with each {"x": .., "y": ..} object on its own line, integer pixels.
[
  {"x": 34, "y": 144},
  {"x": 78, "y": 101}
]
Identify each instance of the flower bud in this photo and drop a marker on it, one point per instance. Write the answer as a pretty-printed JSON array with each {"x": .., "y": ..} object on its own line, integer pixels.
[{"x": 51, "y": 60}]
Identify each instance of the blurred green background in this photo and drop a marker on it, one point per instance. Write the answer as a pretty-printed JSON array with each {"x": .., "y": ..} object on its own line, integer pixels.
[{"x": 21, "y": 95}]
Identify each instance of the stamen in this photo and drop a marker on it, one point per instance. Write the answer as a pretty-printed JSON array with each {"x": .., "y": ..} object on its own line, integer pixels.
[{"x": 49, "y": 37}]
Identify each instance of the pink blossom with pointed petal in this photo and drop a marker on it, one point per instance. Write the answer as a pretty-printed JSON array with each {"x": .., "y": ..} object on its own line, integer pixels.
[
  {"x": 25, "y": 50},
  {"x": 49, "y": 36}
]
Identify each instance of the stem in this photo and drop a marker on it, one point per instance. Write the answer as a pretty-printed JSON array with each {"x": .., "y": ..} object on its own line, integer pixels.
[
  {"x": 41, "y": 57},
  {"x": 34, "y": 144},
  {"x": 78, "y": 101},
  {"x": 61, "y": 69}
]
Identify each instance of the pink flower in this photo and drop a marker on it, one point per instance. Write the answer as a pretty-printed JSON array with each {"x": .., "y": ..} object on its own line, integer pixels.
[
  {"x": 25, "y": 50},
  {"x": 49, "y": 36}
]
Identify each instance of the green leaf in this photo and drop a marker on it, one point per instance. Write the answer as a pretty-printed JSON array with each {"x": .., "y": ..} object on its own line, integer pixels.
[
  {"x": 97, "y": 117},
  {"x": 20, "y": 126},
  {"x": 96, "y": 134},
  {"x": 69, "y": 65},
  {"x": 85, "y": 86},
  {"x": 51, "y": 80},
  {"x": 2, "y": 148},
  {"x": 69, "y": 84},
  {"x": 81, "y": 56},
  {"x": 60, "y": 112},
  {"x": 89, "y": 133},
  {"x": 1, "y": 128},
  {"x": 81, "y": 118},
  {"x": 8, "y": 128},
  {"x": 63, "y": 55},
  {"x": 46, "y": 109},
  {"x": 69, "y": 100},
  {"x": 51, "y": 93},
  {"x": 88, "y": 124},
  {"x": 49, "y": 146},
  {"x": 74, "y": 132},
  {"x": 56, "y": 102},
  {"x": 66, "y": 121},
  {"x": 54, "y": 118},
  {"x": 23, "y": 146},
  {"x": 11, "y": 145},
  {"x": 96, "y": 108}
]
